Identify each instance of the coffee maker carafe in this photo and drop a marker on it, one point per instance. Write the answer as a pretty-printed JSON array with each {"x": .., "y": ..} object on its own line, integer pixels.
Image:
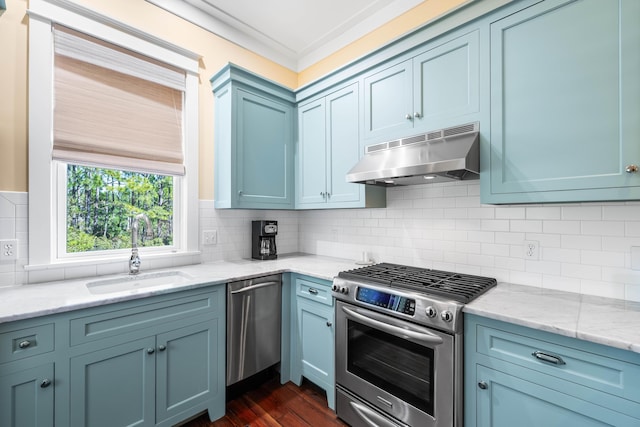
[{"x": 263, "y": 239}]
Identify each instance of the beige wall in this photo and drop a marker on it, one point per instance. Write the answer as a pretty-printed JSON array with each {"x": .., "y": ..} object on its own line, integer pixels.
[{"x": 215, "y": 52}]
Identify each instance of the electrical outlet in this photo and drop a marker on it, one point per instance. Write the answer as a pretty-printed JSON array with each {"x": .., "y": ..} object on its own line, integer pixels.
[
  {"x": 9, "y": 250},
  {"x": 209, "y": 237},
  {"x": 531, "y": 250}
]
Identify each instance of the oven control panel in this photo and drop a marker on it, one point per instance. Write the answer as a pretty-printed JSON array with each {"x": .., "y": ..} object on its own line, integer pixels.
[{"x": 386, "y": 300}]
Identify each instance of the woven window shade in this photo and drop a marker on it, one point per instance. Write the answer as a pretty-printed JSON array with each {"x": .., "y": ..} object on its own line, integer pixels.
[{"x": 114, "y": 108}]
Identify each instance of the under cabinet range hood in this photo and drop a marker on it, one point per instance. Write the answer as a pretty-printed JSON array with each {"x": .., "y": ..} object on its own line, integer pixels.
[{"x": 438, "y": 156}]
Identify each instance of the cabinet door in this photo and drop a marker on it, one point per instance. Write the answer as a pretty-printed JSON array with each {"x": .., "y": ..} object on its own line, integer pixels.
[
  {"x": 446, "y": 84},
  {"x": 187, "y": 375},
  {"x": 264, "y": 169},
  {"x": 115, "y": 386},
  {"x": 315, "y": 325},
  {"x": 343, "y": 144},
  {"x": 565, "y": 100},
  {"x": 312, "y": 162},
  {"x": 388, "y": 102},
  {"x": 506, "y": 400},
  {"x": 26, "y": 397}
]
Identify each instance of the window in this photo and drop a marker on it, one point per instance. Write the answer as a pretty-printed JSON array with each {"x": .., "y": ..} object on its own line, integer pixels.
[{"x": 113, "y": 133}]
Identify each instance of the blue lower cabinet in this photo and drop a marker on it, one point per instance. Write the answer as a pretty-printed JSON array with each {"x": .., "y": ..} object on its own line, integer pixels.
[
  {"x": 27, "y": 396},
  {"x": 155, "y": 361},
  {"x": 312, "y": 335},
  {"x": 517, "y": 376},
  {"x": 114, "y": 386},
  {"x": 506, "y": 400}
]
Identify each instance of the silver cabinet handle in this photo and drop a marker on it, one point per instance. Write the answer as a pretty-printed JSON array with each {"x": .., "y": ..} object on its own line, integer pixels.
[
  {"x": 329, "y": 324},
  {"x": 328, "y": 194},
  {"x": 483, "y": 385},
  {"x": 313, "y": 291},
  {"x": 408, "y": 117},
  {"x": 253, "y": 287},
  {"x": 417, "y": 333},
  {"x": 550, "y": 358},
  {"x": 631, "y": 169},
  {"x": 151, "y": 350},
  {"x": 417, "y": 115},
  {"x": 45, "y": 383},
  {"x": 162, "y": 347},
  {"x": 24, "y": 344},
  {"x": 240, "y": 193},
  {"x": 370, "y": 417}
]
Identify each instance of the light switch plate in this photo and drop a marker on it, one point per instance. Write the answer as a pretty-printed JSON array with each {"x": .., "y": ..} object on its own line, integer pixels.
[
  {"x": 8, "y": 250},
  {"x": 635, "y": 257}
]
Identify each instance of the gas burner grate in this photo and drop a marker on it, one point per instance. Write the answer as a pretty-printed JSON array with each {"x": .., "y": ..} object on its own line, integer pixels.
[{"x": 459, "y": 287}]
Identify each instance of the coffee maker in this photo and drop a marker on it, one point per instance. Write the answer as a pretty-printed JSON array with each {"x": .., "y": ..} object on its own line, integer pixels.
[{"x": 263, "y": 239}]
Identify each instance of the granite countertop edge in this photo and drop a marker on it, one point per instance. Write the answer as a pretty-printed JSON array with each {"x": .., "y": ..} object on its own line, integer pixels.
[{"x": 615, "y": 323}]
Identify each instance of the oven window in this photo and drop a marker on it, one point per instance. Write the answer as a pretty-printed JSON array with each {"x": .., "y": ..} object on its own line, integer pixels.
[{"x": 398, "y": 366}]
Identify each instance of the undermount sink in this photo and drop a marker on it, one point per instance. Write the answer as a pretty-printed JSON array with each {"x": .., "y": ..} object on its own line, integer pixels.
[{"x": 139, "y": 281}]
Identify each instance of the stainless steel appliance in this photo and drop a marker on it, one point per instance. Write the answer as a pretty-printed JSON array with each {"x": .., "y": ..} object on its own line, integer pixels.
[
  {"x": 437, "y": 156},
  {"x": 253, "y": 326},
  {"x": 263, "y": 239},
  {"x": 399, "y": 345}
]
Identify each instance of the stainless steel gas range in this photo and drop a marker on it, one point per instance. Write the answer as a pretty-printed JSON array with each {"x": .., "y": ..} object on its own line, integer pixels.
[{"x": 399, "y": 345}]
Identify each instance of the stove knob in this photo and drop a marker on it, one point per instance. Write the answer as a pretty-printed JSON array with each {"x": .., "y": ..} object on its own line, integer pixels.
[
  {"x": 344, "y": 290},
  {"x": 431, "y": 312},
  {"x": 447, "y": 316},
  {"x": 335, "y": 288}
]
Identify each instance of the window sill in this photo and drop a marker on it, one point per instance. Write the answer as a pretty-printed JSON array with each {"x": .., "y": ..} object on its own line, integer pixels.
[{"x": 177, "y": 258}]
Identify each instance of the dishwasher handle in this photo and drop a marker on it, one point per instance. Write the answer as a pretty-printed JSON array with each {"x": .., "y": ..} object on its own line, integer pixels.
[{"x": 254, "y": 287}]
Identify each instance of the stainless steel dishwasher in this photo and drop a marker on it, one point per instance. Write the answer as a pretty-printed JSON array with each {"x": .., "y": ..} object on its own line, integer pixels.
[{"x": 253, "y": 326}]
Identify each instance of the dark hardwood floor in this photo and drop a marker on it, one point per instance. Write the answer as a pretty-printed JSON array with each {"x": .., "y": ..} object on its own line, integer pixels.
[{"x": 273, "y": 404}]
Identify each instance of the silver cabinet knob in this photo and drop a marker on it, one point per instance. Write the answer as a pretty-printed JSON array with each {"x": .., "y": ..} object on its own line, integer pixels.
[
  {"x": 45, "y": 383},
  {"x": 631, "y": 169},
  {"x": 24, "y": 344},
  {"x": 417, "y": 115},
  {"x": 483, "y": 385},
  {"x": 329, "y": 324},
  {"x": 328, "y": 194},
  {"x": 313, "y": 291},
  {"x": 151, "y": 350},
  {"x": 408, "y": 116},
  {"x": 162, "y": 347}
]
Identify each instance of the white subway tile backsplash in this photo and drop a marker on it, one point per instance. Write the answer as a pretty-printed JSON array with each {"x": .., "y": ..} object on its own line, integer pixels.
[
  {"x": 579, "y": 212},
  {"x": 583, "y": 247},
  {"x": 543, "y": 212},
  {"x": 603, "y": 228},
  {"x": 620, "y": 213},
  {"x": 561, "y": 227}
]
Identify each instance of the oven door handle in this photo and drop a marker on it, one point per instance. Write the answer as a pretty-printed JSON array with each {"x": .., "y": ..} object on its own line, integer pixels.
[
  {"x": 414, "y": 333},
  {"x": 370, "y": 417}
]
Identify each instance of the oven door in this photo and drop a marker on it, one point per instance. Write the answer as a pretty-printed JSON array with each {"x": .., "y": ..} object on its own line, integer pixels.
[{"x": 400, "y": 368}]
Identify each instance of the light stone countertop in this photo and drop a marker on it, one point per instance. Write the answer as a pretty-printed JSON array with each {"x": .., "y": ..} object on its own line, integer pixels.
[
  {"x": 611, "y": 322},
  {"x": 615, "y": 323}
]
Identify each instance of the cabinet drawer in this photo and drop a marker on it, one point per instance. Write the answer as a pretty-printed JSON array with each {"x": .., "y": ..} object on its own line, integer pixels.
[
  {"x": 140, "y": 316},
  {"x": 315, "y": 291},
  {"x": 20, "y": 343},
  {"x": 590, "y": 368}
]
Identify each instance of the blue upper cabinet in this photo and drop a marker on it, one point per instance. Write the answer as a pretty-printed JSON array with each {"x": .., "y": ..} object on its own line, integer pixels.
[
  {"x": 435, "y": 89},
  {"x": 254, "y": 124},
  {"x": 565, "y": 102},
  {"x": 328, "y": 146}
]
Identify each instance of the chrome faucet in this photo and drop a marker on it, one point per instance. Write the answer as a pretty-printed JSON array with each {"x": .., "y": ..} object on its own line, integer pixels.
[{"x": 134, "y": 261}]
